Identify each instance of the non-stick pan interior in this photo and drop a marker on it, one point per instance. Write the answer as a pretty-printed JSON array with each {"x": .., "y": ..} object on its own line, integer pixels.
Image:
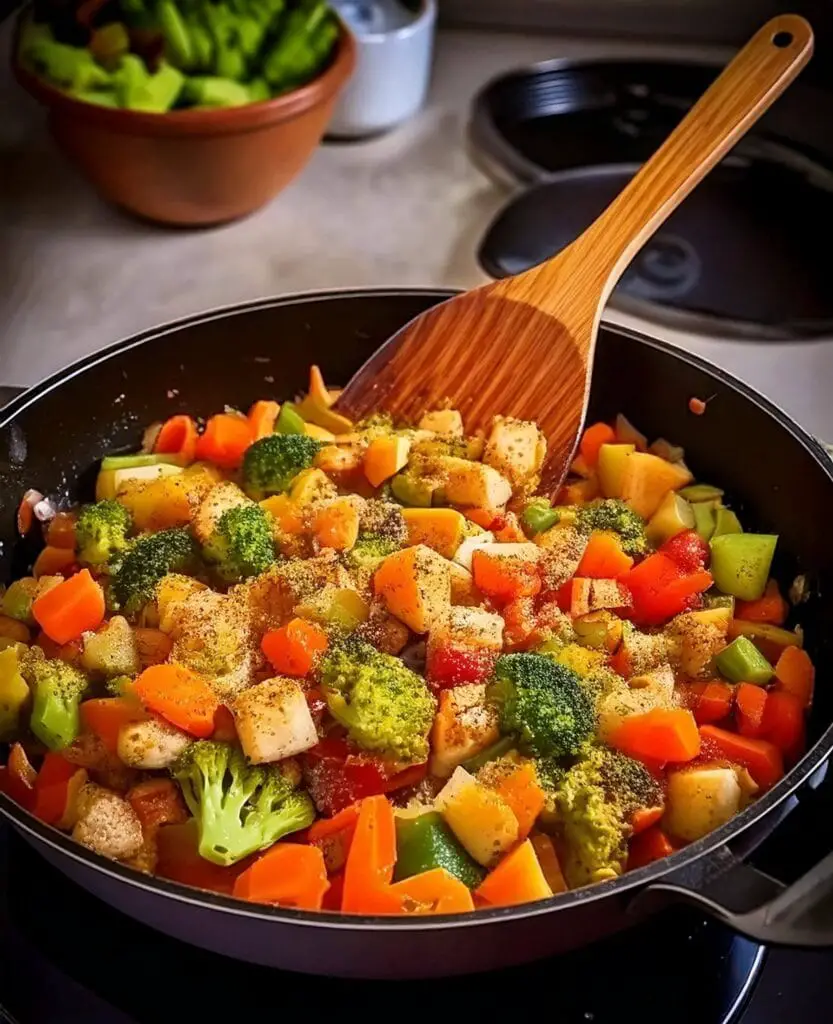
[{"x": 52, "y": 439}]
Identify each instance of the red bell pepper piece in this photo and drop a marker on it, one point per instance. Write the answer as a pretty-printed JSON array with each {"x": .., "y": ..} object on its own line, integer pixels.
[
  {"x": 651, "y": 845},
  {"x": 52, "y": 788},
  {"x": 455, "y": 665},
  {"x": 783, "y": 723},
  {"x": 688, "y": 549},
  {"x": 18, "y": 778},
  {"x": 337, "y": 776},
  {"x": 662, "y": 589}
]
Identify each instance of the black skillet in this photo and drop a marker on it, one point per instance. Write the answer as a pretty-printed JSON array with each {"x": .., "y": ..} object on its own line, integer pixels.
[{"x": 779, "y": 478}]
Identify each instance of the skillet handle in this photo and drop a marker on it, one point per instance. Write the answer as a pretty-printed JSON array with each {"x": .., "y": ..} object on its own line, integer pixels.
[{"x": 726, "y": 887}]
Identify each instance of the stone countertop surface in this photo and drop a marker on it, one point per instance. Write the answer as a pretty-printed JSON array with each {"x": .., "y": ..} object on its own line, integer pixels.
[{"x": 405, "y": 209}]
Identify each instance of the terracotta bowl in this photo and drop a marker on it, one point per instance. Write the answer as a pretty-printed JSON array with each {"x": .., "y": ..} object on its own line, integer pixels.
[{"x": 194, "y": 167}]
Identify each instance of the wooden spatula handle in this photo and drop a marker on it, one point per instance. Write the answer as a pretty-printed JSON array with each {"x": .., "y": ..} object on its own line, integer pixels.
[{"x": 737, "y": 98}]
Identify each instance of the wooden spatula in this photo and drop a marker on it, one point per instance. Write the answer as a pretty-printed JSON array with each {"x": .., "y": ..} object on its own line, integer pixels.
[{"x": 524, "y": 346}]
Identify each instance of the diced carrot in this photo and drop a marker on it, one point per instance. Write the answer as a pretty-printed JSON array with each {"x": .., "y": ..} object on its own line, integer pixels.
[
  {"x": 580, "y": 597},
  {"x": 795, "y": 674},
  {"x": 52, "y": 788},
  {"x": 71, "y": 608},
  {"x": 520, "y": 789},
  {"x": 334, "y": 836},
  {"x": 225, "y": 729},
  {"x": 384, "y": 457},
  {"x": 52, "y": 561},
  {"x": 520, "y": 622},
  {"x": 483, "y": 517},
  {"x": 592, "y": 439},
  {"x": 19, "y": 777},
  {"x": 510, "y": 531},
  {"x": 762, "y": 758},
  {"x": 661, "y": 735},
  {"x": 432, "y": 892},
  {"x": 337, "y": 524},
  {"x": 179, "y": 695},
  {"x": 154, "y": 645},
  {"x": 518, "y": 878},
  {"x": 224, "y": 440},
  {"x": 293, "y": 649},
  {"x": 750, "y": 701},
  {"x": 548, "y": 859},
  {"x": 105, "y": 717},
  {"x": 178, "y": 436},
  {"x": 262, "y": 417},
  {"x": 783, "y": 723},
  {"x": 369, "y": 869},
  {"x": 157, "y": 802},
  {"x": 61, "y": 531},
  {"x": 645, "y": 817},
  {"x": 712, "y": 701},
  {"x": 770, "y": 608},
  {"x": 288, "y": 874},
  {"x": 504, "y": 579},
  {"x": 651, "y": 845},
  {"x": 603, "y": 557}
]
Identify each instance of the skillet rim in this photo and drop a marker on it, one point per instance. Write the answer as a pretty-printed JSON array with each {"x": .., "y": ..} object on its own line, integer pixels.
[{"x": 63, "y": 844}]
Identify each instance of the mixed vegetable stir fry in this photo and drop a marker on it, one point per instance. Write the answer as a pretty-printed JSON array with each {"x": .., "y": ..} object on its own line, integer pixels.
[
  {"x": 363, "y": 667},
  {"x": 159, "y": 55}
]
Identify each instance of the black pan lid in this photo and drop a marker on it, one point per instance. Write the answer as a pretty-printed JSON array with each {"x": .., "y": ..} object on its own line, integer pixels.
[{"x": 747, "y": 254}]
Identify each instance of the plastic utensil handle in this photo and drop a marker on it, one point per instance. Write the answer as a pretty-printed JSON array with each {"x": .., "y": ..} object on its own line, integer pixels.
[{"x": 748, "y": 86}]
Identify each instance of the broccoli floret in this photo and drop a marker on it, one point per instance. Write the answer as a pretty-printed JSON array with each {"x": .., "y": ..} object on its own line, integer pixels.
[
  {"x": 57, "y": 688},
  {"x": 613, "y": 514},
  {"x": 595, "y": 800},
  {"x": 369, "y": 550},
  {"x": 542, "y": 704},
  {"x": 242, "y": 544},
  {"x": 239, "y": 808},
  {"x": 136, "y": 574},
  {"x": 383, "y": 704},
  {"x": 271, "y": 464},
  {"x": 101, "y": 532}
]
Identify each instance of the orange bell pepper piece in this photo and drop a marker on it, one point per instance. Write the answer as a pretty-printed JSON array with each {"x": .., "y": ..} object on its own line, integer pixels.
[
  {"x": 178, "y": 436},
  {"x": 521, "y": 790},
  {"x": 518, "y": 878},
  {"x": 52, "y": 788},
  {"x": 603, "y": 558},
  {"x": 504, "y": 579},
  {"x": 262, "y": 417}
]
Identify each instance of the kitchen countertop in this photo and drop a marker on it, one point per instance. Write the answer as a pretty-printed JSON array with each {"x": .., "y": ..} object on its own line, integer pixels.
[{"x": 406, "y": 209}]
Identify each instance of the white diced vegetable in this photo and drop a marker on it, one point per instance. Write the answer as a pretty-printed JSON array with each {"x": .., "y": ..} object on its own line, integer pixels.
[
  {"x": 699, "y": 800},
  {"x": 465, "y": 725},
  {"x": 273, "y": 720},
  {"x": 152, "y": 744}
]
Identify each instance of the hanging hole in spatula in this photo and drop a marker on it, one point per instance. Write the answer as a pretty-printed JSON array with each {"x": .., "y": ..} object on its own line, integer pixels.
[{"x": 782, "y": 40}]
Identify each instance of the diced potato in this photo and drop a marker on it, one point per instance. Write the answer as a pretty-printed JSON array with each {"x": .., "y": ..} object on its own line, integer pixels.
[
  {"x": 694, "y": 638},
  {"x": 415, "y": 585},
  {"x": 469, "y": 627},
  {"x": 643, "y": 651},
  {"x": 312, "y": 487},
  {"x": 659, "y": 681},
  {"x": 336, "y": 458},
  {"x": 151, "y": 744},
  {"x": 465, "y": 725},
  {"x": 385, "y": 456},
  {"x": 563, "y": 547},
  {"x": 443, "y": 421},
  {"x": 483, "y": 822},
  {"x": 524, "y": 551},
  {"x": 611, "y": 468},
  {"x": 112, "y": 650},
  {"x": 672, "y": 517},
  {"x": 273, "y": 720},
  {"x": 621, "y": 704},
  {"x": 463, "y": 590},
  {"x": 473, "y": 484},
  {"x": 319, "y": 433},
  {"x": 171, "y": 589},
  {"x": 219, "y": 499},
  {"x": 110, "y": 481},
  {"x": 437, "y": 528},
  {"x": 648, "y": 478},
  {"x": 463, "y": 554},
  {"x": 699, "y": 800},
  {"x": 608, "y": 594},
  {"x": 582, "y": 660},
  {"x": 517, "y": 449},
  {"x": 106, "y": 823}
]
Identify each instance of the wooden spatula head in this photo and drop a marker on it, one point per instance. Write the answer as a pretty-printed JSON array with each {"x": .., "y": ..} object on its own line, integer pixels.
[{"x": 524, "y": 346}]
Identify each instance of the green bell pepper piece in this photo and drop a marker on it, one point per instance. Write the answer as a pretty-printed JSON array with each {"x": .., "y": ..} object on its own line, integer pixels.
[
  {"x": 425, "y": 843},
  {"x": 704, "y": 518},
  {"x": 208, "y": 91},
  {"x": 140, "y": 459},
  {"x": 742, "y": 662},
  {"x": 13, "y": 691},
  {"x": 725, "y": 521},
  {"x": 158, "y": 93},
  {"x": 500, "y": 747},
  {"x": 289, "y": 420},
  {"x": 701, "y": 492},
  {"x": 179, "y": 47},
  {"x": 740, "y": 563},
  {"x": 538, "y": 516}
]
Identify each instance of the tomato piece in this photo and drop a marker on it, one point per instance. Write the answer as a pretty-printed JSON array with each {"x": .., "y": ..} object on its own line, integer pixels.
[
  {"x": 688, "y": 550},
  {"x": 451, "y": 665}
]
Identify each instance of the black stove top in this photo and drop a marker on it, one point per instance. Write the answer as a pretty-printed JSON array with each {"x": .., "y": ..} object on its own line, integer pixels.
[{"x": 67, "y": 957}]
